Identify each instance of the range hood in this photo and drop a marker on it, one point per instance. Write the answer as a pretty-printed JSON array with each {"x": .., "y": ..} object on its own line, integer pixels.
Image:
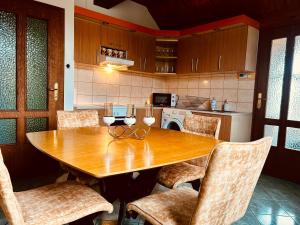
[{"x": 115, "y": 63}]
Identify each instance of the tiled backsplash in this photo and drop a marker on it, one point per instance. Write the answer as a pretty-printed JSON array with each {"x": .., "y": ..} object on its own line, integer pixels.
[
  {"x": 95, "y": 86},
  {"x": 238, "y": 92}
]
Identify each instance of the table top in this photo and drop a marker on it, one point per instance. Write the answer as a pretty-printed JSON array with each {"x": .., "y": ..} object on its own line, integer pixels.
[{"x": 95, "y": 152}]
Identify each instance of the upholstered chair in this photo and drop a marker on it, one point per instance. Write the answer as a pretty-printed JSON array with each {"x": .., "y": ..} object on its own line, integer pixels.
[
  {"x": 71, "y": 120},
  {"x": 225, "y": 193},
  {"x": 48, "y": 205},
  {"x": 193, "y": 170},
  {"x": 76, "y": 119}
]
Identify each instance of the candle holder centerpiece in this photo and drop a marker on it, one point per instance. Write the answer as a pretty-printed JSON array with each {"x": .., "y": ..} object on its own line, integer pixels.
[{"x": 128, "y": 130}]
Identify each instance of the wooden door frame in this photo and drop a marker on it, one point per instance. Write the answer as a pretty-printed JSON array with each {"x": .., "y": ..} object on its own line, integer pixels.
[
  {"x": 281, "y": 162},
  {"x": 20, "y": 158}
]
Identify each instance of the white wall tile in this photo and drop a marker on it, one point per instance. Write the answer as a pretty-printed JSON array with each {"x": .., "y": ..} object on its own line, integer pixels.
[
  {"x": 230, "y": 94},
  {"x": 193, "y": 91},
  {"x": 136, "y": 81},
  {"x": 136, "y": 92},
  {"x": 99, "y": 100},
  {"x": 99, "y": 89},
  {"x": 172, "y": 83},
  {"x": 173, "y": 90},
  {"x": 85, "y": 75},
  {"x": 84, "y": 99},
  {"x": 100, "y": 76},
  {"x": 158, "y": 83},
  {"x": 217, "y": 82},
  {"x": 75, "y": 75},
  {"x": 113, "y": 77},
  {"x": 217, "y": 94},
  {"x": 245, "y": 95},
  {"x": 246, "y": 84},
  {"x": 125, "y": 79},
  {"x": 244, "y": 107},
  {"x": 125, "y": 91},
  {"x": 182, "y": 83},
  {"x": 84, "y": 88},
  {"x": 124, "y": 100},
  {"x": 146, "y": 92},
  {"x": 204, "y": 93},
  {"x": 113, "y": 90},
  {"x": 147, "y": 82},
  {"x": 193, "y": 83},
  {"x": 114, "y": 100},
  {"x": 204, "y": 83},
  {"x": 231, "y": 82},
  {"x": 182, "y": 91}
]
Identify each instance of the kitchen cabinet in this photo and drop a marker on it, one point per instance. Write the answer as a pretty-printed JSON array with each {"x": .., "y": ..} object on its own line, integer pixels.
[
  {"x": 233, "y": 49},
  {"x": 114, "y": 37},
  {"x": 86, "y": 41},
  {"x": 141, "y": 51}
]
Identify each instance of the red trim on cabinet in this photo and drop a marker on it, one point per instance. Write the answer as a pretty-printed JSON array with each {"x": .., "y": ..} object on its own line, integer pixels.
[{"x": 167, "y": 33}]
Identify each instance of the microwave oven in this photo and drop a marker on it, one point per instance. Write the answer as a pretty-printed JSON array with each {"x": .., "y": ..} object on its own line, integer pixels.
[{"x": 164, "y": 99}]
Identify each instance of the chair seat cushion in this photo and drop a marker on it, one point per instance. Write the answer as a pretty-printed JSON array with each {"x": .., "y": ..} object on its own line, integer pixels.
[
  {"x": 173, "y": 175},
  {"x": 174, "y": 207},
  {"x": 60, "y": 203}
]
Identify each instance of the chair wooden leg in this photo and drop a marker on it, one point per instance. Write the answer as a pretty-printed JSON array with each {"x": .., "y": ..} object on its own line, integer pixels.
[{"x": 121, "y": 212}]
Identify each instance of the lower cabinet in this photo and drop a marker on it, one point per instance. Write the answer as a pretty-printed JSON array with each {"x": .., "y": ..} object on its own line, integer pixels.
[{"x": 234, "y": 127}]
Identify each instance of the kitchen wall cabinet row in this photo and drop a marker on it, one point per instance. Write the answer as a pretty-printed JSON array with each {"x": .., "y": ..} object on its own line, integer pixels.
[
  {"x": 90, "y": 35},
  {"x": 233, "y": 49}
]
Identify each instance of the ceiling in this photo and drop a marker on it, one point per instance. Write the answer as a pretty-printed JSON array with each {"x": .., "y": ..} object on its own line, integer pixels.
[{"x": 179, "y": 14}]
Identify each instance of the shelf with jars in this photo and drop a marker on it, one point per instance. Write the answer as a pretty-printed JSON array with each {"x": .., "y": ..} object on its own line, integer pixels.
[{"x": 166, "y": 56}]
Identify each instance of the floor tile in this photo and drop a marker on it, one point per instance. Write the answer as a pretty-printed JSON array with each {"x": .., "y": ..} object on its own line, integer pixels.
[
  {"x": 248, "y": 219},
  {"x": 276, "y": 220},
  {"x": 267, "y": 207}
]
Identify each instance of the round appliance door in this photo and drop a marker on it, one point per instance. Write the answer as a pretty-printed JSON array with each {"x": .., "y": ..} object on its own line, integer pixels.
[{"x": 172, "y": 124}]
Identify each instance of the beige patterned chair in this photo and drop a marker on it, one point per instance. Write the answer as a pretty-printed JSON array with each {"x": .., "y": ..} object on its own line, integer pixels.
[
  {"x": 77, "y": 119},
  {"x": 48, "y": 205},
  {"x": 173, "y": 175},
  {"x": 224, "y": 195}
]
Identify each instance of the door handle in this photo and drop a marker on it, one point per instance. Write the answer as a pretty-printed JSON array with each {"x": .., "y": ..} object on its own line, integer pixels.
[
  {"x": 55, "y": 91},
  {"x": 197, "y": 60},
  {"x": 259, "y": 100},
  {"x": 145, "y": 62}
]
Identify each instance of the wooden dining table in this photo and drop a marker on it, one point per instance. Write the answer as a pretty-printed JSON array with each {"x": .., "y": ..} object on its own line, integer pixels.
[{"x": 94, "y": 152}]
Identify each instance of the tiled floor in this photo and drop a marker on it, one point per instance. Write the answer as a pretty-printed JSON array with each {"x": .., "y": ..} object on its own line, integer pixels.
[{"x": 274, "y": 202}]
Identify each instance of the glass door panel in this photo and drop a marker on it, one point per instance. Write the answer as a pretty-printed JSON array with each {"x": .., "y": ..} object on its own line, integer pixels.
[
  {"x": 272, "y": 131},
  {"x": 292, "y": 138},
  {"x": 294, "y": 103},
  {"x": 37, "y": 64},
  {"x": 8, "y": 40},
  {"x": 276, "y": 74}
]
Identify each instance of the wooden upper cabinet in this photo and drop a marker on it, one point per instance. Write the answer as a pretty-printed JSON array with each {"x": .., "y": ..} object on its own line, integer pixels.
[
  {"x": 185, "y": 52},
  {"x": 114, "y": 37},
  {"x": 86, "y": 41}
]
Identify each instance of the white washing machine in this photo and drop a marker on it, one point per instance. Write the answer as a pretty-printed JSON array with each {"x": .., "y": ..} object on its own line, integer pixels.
[{"x": 173, "y": 118}]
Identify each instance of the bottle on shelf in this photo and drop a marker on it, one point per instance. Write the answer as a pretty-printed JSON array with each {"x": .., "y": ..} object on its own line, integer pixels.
[{"x": 213, "y": 104}]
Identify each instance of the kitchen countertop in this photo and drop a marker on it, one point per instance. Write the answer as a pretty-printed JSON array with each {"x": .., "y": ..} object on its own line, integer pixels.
[{"x": 193, "y": 110}]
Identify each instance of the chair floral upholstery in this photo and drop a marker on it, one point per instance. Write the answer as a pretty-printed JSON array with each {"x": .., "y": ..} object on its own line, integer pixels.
[
  {"x": 49, "y": 205},
  {"x": 174, "y": 175},
  {"x": 76, "y": 119},
  {"x": 225, "y": 192}
]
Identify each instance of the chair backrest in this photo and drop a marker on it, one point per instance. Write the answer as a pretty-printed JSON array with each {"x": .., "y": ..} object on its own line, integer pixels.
[
  {"x": 8, "y": 202},
  {"x": 76, "y": 119},
  {"x": 230, "y": 179},
  {"x": 203, "y": 125}
]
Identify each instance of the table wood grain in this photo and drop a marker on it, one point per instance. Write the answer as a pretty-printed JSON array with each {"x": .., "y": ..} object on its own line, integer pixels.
[{"x": 95, "y": 152}]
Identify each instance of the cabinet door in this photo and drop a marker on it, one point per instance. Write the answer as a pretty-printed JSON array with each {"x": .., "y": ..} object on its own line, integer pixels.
[
  {"x": 214, "y": 56},
  {"x": 234, "y": 49},
  {"x": 133, "y": 53},
  {"x": 184, "y": 62},
  {"x": 203, "y": 53},
  {"x": 148, "y": 57},
  {"x": 86, "y": 41}
]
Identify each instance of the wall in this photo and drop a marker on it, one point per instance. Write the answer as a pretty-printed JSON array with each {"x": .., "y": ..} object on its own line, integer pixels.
[
  {"x": 68, "y": 5},
  {"x": 95, "y": 86},
  {"x": 221, "y": 86},
  {"x": 128, "y": 10}
]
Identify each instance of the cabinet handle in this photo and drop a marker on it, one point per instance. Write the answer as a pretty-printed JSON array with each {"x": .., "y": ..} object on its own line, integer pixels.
[
  {"x": 219, "y": 63},
  {"x": 197, "y": 60},
  {"x": 145, "y": 62},
  {"x": 140, "y": 63},
  {"x": 192, "y": 65},
  {"x": 259, "y": 100}
]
